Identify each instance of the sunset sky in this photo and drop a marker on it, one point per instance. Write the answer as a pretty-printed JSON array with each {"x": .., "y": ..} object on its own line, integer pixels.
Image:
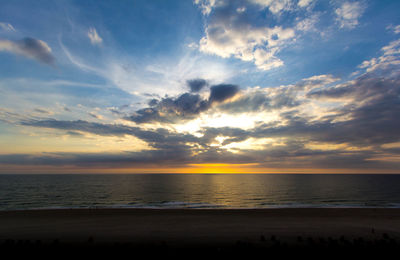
[{"x": 203, "y": 86}]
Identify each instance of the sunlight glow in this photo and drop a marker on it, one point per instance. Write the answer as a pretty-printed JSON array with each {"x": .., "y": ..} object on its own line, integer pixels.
[
  {"x": 222, "y": 168},
  {"x": 252, "y": 144}
]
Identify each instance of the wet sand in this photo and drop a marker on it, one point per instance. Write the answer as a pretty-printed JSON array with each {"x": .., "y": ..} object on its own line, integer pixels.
[{"x": 197, "y": 227}]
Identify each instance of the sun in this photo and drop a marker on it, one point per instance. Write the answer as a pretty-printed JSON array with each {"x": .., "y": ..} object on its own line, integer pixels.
[{"x": 221, "y": 168}]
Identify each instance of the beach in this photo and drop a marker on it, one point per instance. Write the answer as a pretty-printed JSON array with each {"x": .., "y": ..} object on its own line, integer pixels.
[{"x": 197, "y": 227}]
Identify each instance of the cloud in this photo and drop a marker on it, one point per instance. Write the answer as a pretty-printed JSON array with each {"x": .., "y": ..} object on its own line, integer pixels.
[
  {"x": 370, "y": 115},
  {"x": 316, "y": 81},
  {"x": 147, "y": 75},
  {"x": 259, "y": 100},
  {"x": 206, "y": 5},
  {"x": 96, "y": 116},
  {"x": 389, "y": 58},
  {"x": 170, "y": 110},
  {"x": 222, "y": 92},
  {"x": 196, "y": 85},
  {"x": 81, "y": 125},
  {"x": 275, "y": 98},
  {"x": 364, "y": 112},
  {"x": 304, "y": 3},
  {"x": 230, "y": 33},
  {"x": 184, "y": 107},
  {"x": 30, "y": 48},
  {"x": 275, "y": 6},
  {"x": 156, "y": 138},
  {"x": 368, "y": 118},
  {"x": 43, "y": 111},
  {"x": 308, "y": 24},
  {"x": 396, "y": 29},
  {"x": 348, "y": 13},
  {"x": 93, "y": 160},
  {"x": 291, "y": 152},
  {"x": 356, "y": 129},
  {"x": 7, "y": 27},
  {"x": 319, "y": 121},
  {"x": 188, "y": 106},
  {"x": 94, "y": 37}
]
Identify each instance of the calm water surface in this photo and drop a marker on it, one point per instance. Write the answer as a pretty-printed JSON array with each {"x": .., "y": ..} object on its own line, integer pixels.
[{"x": 198, "y": 191}]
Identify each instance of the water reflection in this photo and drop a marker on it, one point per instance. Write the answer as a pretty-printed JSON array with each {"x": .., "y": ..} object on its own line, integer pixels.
[{"x": 197, "y": 190}]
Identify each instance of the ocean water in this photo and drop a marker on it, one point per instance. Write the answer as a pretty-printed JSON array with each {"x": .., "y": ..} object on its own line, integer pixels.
[{"x": 197, "y": 191}]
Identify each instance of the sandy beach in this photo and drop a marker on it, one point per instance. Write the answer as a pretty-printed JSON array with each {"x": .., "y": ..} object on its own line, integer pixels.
[{"x": 194, "y": 227}]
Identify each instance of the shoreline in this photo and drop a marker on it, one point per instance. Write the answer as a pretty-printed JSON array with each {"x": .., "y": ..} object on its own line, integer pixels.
[
  {"x": 205, "y": 207},
  {"x": 197, "y": 226}
]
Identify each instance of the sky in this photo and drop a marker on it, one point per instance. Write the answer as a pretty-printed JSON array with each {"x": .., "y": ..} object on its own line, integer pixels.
[{"x": 203, "y": 86}]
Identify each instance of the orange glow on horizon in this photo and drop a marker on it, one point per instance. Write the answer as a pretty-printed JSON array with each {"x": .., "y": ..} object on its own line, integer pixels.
[
  {"x": 206, "y": 168},
  {"x": 223, "y": 168}
]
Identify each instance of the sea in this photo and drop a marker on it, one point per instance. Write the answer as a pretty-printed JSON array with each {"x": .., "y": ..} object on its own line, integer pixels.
[{"x": 198, "y": 191}]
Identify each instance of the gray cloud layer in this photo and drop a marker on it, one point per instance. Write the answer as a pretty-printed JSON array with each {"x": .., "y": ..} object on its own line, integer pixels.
[
  {"x": 196, "y": 85},
  {"x": 373, "y": 122},
  {"x": 359, "y": 129}
]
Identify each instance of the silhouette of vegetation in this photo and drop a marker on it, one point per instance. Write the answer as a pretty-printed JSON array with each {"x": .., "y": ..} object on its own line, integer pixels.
[{"x": 310, "y": 246}]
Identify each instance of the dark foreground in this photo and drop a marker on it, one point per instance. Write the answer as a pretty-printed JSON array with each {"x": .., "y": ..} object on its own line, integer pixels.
[{"x": 323, "y": 233}]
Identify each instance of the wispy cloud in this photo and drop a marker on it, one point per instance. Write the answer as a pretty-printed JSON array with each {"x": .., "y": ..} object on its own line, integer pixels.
[
  {"x": 395, "y": 29},
  {"x": 158, "y": 76},
  {"x": 7, "y": 27},
  {"x": 94, "y": 37}
]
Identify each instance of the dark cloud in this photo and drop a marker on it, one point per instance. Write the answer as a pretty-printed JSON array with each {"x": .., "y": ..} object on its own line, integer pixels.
[
  {"x": 196, "y": 85},
  {"x": 373, "y": 114},
  {"x": 147, "y": 115},
  {"x": 368, "y": 86},
  {"x": 184, "y": 107},
  {"x": 159, "y": 138},
  {"x": 222, "y": 92},
  {"x": 42, "y": 111},
  {"x": 74, "y": 133},
  {"x": 37, "y": 49},
  {"x": 94, "y": 115},
  {"x": 85, "y": 126},
  {"x": 127, "y": 159},
  {"x": 153, "y": 102},
  {"x": 31, "y": 48},
  {"x": 170, "y": 110}
]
